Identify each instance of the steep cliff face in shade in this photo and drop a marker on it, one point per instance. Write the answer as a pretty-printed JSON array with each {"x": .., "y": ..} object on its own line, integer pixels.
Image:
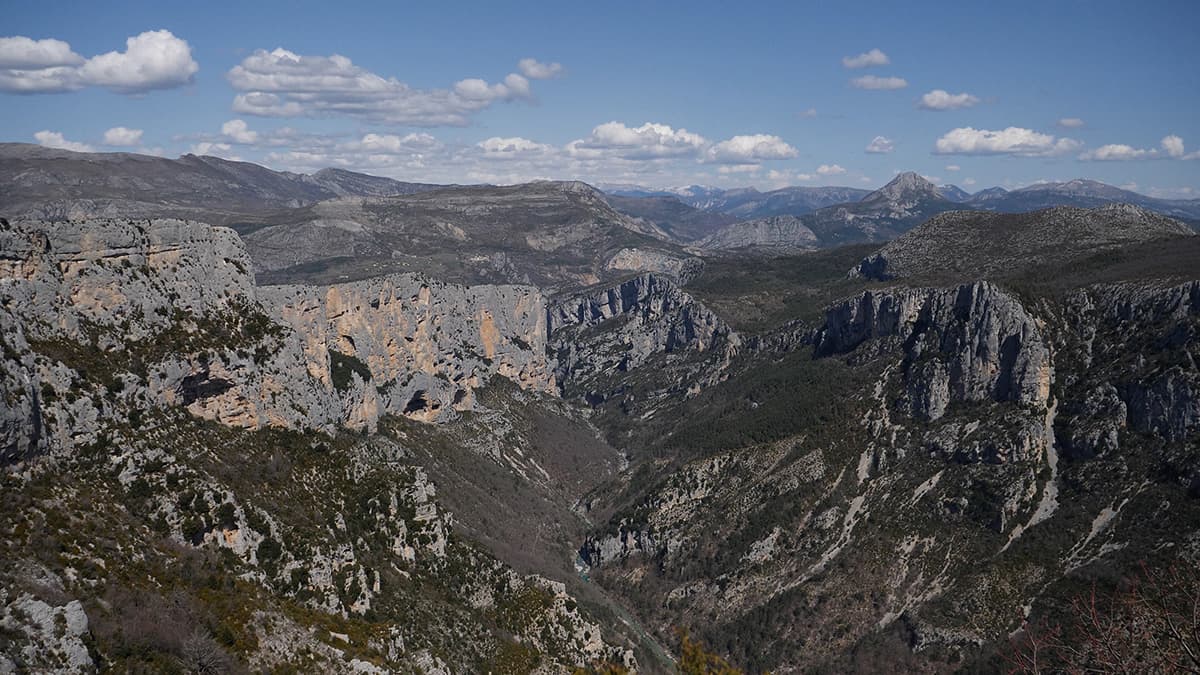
[
  {"x": 597, "y": 335},
  {"x": 972, "y": 343}
]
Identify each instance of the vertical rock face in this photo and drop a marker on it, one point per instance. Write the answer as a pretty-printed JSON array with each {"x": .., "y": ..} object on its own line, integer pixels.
[
  {"x": 644, "y": 316},
  {"x": 427, "y": 345},
  {"x": 972, "y": 343},
  {"x": 165, "y": 312},
  {"x": 1158, "y": 390}
]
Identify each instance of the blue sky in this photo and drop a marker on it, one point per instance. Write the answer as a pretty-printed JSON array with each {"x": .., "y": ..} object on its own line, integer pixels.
[{"x": 764, "y": 94}]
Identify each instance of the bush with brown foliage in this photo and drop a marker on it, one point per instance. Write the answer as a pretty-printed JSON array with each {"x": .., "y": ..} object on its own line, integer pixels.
[{"x": 1151, "y": 624}]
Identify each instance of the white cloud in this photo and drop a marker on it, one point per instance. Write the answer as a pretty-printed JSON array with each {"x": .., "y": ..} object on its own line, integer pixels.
[
  {"x": 880, "y": 145},
  {"x": 875, "y": 57},
  {"x": 783, "y": 177},
  {"x": 969, "y": 182},
  {"x": 281, "y": 83},
  {"x": 54, "y": 139},
  {"x": 152, "y": 60},
  {"x": 1115, "y": 152},
  {"x": 1170, "y": 147},
  {"x": 536, "y": 70},
  {"x": 830, "y": 170},
  {"x": 122, "y": 136},
  {"x": 808, "y": 114},
  {"x": 750, "y": 149},
  {"x": 1173, "y": 146},
  {"x": 953, "y": 167},
  {"x": 650, "y": 154},
  {"x": 1070, "y": 123},
  {"x": 23, "y": 53},
  {"x": 649, "y": 141},
  {"x": 1010, "y": 141},
  {"x": 239, "y": 132},
  {"x": 213, "y": 149},
  {"x": 415, "y": 143},
  {"x": 940, "y": 99},
  {"x": 876, "y": 82},
  {"x": 507, "y": 148}
]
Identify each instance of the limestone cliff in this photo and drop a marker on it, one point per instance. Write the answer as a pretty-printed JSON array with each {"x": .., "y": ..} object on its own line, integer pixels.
[
  {"x": 166, "y": 313},
  {"x": 972, "y": 343},
  {"x": 427, "y": 345},
  {"x": 599, "y": 333}
]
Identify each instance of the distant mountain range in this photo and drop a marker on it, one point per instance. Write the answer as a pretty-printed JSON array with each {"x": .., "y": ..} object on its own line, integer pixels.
[
  {"x": 59, "y": 184},
  {"x": 55, "y": 184},
  {"x": 882, "y": 213},
  {"x": 963, "y": 245}
]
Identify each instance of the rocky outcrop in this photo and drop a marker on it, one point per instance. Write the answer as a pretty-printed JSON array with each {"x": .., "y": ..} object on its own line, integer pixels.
[
  {"x": 972, "y": 343},
  {"x": 426, "y": 345},
  {"x": 641, "y": 317},
  {"x": 777, "y": 234},
  {"x": 1157, "y": 391},
  {"x": 166, "y": 313},
  {"x": 657, "y": 262}
]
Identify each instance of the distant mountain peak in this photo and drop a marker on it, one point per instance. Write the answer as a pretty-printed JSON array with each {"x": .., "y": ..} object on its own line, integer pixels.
[{"x": 906, "y": 186}]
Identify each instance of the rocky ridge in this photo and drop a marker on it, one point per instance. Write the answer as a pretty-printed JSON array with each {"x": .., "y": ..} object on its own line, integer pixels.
[
  {"x": 776, "y": 233},
  {"x": 974, "y": 244},
  {"x": 168, "y": 311}
]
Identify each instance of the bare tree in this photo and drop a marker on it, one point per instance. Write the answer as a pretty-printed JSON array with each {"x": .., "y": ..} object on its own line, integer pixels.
[
  {"x": 1150, "y": 624},
  {"x": 201, "y": 655}
]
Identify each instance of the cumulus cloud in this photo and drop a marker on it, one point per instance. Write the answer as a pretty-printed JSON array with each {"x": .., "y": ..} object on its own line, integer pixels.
[
  {"x": 395, "y": 144},
  {"x": 830, "y": 170},
  {"x": 122, "y": 137},
  {"x": 23, "y": 53},
  {"x": 880, "y": 145},
  {"x": 953, "y": 167},
  {"x": 730, "y": 169},
  {"x": 875, "y": 57},
  {"x": 940, "y": 99},
  {"x": 1173, "y": 146},
  {"x": 222, "y": 150},
  {"x": 808, "y": 114},
  {"x": 1070, "y": 123},
  {"x": 649, "y": 141},
  {"x": 969, "y": 182},
  {"x": 1116, "y": 152},
  {"x": 750, "y": 149},
  {"x": 151, "y": 60},
  {"x": 54, "y": 139},
  {"x": 1010, "y": 141},
  {"x": 1170, "y": 147},
  {"x": 239, "y": 132},
  {"x": 536, "y": 70},
  {"x": 508, "y": 148},
  {"x": 281, "y": 83},
  {"x": 876, "y": 82}
]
